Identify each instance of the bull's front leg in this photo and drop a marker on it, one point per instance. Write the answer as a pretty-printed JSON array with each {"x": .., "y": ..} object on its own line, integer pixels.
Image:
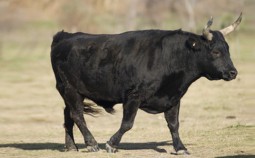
[
  {"x": 172, "y": 118},
  {"x": 129, "y": 112}
]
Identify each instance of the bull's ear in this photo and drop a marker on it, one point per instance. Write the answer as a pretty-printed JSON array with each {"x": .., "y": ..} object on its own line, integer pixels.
[{"x": 193, "y": 44}]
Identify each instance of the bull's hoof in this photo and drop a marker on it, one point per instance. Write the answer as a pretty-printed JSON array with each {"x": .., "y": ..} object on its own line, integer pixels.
[
  {"x": 71, "y": 148},
  {"x": 181, "y": 152},
  {"x": 67, "y": 150},
  {"x": 110, "y": 149},
  {"x": 94, "y": 148}
]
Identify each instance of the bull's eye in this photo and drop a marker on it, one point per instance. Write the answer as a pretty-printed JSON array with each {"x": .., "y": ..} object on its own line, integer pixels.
[{"x": 216, "y": 53}]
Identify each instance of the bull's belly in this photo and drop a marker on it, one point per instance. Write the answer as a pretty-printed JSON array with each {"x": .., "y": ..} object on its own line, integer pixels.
[
  {"x": 157, "y": 105},
  {"x": 100, "y": 92}
]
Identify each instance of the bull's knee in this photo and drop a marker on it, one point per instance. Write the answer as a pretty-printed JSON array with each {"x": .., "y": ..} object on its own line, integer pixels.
[{"x": 126, "y": 127}]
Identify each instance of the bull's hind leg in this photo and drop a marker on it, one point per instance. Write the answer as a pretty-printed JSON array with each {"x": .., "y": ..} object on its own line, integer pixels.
[
  {"x": 172, "y": 118},
  {"x": 129, "y": 112},
  {"x": 75, "y": 103},
  {"x": 69, "y": 123}
]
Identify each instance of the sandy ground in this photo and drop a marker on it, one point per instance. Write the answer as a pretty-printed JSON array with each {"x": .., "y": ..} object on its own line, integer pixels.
[{"x": 216, "y": 119}]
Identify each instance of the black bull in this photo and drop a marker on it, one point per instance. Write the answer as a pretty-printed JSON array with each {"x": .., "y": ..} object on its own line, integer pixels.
[{"x": 149, "y": 70}]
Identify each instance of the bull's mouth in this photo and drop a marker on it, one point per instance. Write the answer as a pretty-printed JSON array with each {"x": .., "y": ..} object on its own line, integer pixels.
[
  {"x": 230, "y": 75},
  {"x": 227, "y": 79},
  {"x": 212, "y": 78},
  {"x": 226, "y": 76}
]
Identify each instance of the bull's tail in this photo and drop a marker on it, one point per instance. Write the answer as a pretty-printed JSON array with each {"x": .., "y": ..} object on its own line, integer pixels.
[{"x": 90, "y": 109}]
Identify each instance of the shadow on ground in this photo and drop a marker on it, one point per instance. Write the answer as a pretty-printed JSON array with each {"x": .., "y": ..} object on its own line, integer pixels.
[
  {"x": 35, "y": 146},
  {"x": 147, "y": 145},
  {"x": 60, "y": 147},
  {"x": 237, "y": 156}
]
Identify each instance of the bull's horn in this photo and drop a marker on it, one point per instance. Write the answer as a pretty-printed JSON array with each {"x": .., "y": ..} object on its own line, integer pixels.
[
  {"x": 232, "y": 27},
  {"x": 206, "y": 30}
]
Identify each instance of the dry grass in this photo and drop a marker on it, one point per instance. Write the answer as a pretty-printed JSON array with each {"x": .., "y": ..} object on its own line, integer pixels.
[{"x": 217, "y": 118}]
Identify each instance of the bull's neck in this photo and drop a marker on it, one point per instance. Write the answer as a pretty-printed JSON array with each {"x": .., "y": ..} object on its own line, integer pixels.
[{"x": 184, "y": 71}]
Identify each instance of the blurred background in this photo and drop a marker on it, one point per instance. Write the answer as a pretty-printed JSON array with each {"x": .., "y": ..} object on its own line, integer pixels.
[
  {"x": 220, "y": 113},
  {"x": 27, "y": 26}
]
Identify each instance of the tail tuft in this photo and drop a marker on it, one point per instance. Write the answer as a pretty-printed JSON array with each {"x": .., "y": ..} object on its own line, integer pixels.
[{"x": 89, "y": 108}]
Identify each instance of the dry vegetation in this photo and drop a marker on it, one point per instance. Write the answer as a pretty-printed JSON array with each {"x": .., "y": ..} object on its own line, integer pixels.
[{"x": 217, "y": 118}]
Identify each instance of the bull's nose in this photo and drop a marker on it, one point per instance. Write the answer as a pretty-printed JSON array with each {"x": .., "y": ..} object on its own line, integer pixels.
[{"x": 233, "y": 74}]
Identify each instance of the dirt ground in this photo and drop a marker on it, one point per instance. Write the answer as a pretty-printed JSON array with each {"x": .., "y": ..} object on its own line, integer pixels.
[{"x": 216, "y": 118}]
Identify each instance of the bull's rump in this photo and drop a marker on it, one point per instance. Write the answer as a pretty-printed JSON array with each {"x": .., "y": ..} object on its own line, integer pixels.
[{"x": 81, "y": 63}]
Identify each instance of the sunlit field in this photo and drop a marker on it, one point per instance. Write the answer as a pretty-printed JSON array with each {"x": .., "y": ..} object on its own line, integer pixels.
[{"x": 216, "y": 119}]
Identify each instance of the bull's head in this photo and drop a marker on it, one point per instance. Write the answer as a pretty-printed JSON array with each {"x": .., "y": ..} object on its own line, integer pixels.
[{"x": 215, "y": 62}]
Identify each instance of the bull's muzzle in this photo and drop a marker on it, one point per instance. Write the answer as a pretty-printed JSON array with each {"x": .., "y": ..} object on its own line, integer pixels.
[{"x": 230, "y": 75}]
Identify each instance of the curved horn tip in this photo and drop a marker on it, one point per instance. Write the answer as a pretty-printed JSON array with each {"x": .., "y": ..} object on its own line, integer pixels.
[
  {"x": 232, "y": 27},
  {"x": 206, "y": 30},
  {"x": 241, "y": 14},
  {"x": 210, "y": 21},
  {"x": 240, "y": 17}
]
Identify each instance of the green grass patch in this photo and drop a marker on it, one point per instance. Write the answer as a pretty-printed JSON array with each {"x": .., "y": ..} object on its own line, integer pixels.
[
  {"x": 240, "y": 126},
  {"x": 43, "y": 24}
]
